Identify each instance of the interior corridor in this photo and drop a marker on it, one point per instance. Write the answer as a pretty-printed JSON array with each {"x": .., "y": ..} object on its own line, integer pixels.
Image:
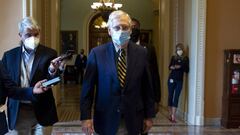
[{"x": 69, "y": 123}]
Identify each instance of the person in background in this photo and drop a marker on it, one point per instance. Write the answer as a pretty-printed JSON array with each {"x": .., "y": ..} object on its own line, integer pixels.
[
  {"x": 152, "y": 60},
  {"x": 80, "y": 64},
  {"x": 123, "y": 98},
  {"x": 178, "y": 65},
  {"x": 8, "y": 88},
  {"x": 27, "y": 64}
]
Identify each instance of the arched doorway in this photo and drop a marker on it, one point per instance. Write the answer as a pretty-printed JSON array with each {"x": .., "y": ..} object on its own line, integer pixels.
[{"x": 98, "y": 33}]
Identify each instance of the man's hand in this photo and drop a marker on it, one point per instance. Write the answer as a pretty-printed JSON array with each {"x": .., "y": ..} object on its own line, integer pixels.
[
  {"x": 172, "y": 67},
  {"x": 177, "y": 66},
  {"x": 87, "y": 127},
  {"x": 38, "y": 88},
  {"x": 147, "y": 125},
  {"x": 56, "y": 63}
]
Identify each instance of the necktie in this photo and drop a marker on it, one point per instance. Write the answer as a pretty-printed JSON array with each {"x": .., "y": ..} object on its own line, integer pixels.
[{"x": 122, "y": 68}]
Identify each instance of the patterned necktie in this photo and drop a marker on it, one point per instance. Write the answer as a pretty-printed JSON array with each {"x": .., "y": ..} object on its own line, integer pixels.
[{"x": 122, "y": 68}]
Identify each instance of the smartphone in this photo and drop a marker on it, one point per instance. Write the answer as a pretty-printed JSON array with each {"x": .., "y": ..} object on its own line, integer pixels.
[{"x": 51, "y": 82}]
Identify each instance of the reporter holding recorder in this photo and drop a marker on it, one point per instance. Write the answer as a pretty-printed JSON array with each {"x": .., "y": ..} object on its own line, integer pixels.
[
  {"x": 8, "y": 88},
  {"x": 27, "y": 64}
]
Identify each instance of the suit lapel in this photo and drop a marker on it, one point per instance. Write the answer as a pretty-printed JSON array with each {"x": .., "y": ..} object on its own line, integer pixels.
[
  {"x": 18, "y": 57},
  {"x": 110, "y": 55},
  {"x": 36, "y": 62},
  {"x": 131, "y": 60}
]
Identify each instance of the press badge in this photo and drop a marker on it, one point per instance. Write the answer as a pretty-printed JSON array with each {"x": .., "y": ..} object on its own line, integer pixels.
[{"x": 171, "y": 80}]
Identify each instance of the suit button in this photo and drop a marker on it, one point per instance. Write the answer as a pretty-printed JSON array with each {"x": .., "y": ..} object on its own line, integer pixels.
[{"x": 118, "y": 110}]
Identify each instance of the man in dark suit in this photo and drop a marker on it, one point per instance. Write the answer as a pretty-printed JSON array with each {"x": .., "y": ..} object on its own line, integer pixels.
[
  {"x": 152, "y": 60},
  {"x": 27, "y": 64},
  {"x": 80, "y": 64},
  {"x": 124, "y": 101},
  {"x": 8, "y": 88}
]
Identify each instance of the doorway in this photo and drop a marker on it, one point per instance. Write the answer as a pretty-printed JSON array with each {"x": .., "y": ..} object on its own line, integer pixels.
[{"x": 98, "y": 32}]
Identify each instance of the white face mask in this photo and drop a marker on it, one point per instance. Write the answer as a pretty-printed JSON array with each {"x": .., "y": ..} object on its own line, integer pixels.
[
  {"x": 180, "y": 52},
  {"x": 120, "y": 37},
  {"x": 31, "y": 42}
]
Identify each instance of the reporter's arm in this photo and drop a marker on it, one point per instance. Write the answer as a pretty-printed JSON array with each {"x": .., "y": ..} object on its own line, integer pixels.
[{"x": 12, "y": 90}]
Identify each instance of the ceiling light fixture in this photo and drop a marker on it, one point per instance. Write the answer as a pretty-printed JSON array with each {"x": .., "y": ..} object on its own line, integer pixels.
[{"x": 106, "y": 5}]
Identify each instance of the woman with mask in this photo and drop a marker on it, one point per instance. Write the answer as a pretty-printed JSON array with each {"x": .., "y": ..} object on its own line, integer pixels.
[{"x": 178, "y": 65}]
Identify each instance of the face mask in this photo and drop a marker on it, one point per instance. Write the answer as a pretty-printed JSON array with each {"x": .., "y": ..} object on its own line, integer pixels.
[
  {"x": 180, "y": 52},
  {"x": 135, "y": 35},
  {"x": 121, "y": 37},
  {"x": 31, "y": 43}
]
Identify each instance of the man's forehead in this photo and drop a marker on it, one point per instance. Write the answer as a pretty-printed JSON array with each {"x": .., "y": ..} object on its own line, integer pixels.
[
  {"x": 31, "y": 30},
  {"x": 120, "y": 21}
]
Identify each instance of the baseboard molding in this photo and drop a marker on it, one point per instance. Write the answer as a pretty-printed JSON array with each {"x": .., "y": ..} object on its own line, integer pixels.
[
  {"x": 207, "y": 121},
  {"x": 182, "y": 115},
  {"x": 212, "y": 122}
]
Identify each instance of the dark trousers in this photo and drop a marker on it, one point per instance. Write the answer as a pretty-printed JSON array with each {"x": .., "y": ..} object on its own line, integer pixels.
[
  {"x": 174, "y": 90},
  {"x": 79, "y": 75},
  {"x": 26, "y": 121},
  {"x": 3, "y": 123}
]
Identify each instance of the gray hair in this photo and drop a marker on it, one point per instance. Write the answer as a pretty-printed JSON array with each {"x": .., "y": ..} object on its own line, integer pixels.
[
  {"x": 117, "y": 14},
  {"x": 27, "y": 23}
]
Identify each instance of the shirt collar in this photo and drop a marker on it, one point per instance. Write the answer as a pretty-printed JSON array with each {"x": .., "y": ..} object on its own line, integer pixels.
[
  {"x": 138, "y": 42},
  {"x": 117, "y": 49}
]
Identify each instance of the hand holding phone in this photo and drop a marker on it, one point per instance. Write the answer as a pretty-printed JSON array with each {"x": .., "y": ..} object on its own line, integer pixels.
[
  {"x": 51, "y": 82},
  {"x": 59, "y": 62}
]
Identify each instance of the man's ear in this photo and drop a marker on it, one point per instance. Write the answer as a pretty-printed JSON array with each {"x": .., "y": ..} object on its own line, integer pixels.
[
  {"x": 130, "y": 31},
  {"x": 109, "y": 32}
]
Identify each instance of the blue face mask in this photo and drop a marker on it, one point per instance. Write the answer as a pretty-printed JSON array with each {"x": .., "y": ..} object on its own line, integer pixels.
[{"x": 121, "y": 37}]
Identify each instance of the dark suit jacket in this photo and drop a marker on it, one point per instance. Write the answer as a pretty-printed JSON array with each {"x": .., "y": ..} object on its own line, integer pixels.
[
  {"x": 153, "y": 66},
  {"x": 45, "y": 109},
  {"x": 8, "y": 88},
  {"x": 80, "y": 63},
  {"x": 134, "y": 102}
]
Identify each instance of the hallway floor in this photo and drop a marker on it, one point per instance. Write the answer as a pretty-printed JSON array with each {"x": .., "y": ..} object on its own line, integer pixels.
[{"x": 69, "y": 123}]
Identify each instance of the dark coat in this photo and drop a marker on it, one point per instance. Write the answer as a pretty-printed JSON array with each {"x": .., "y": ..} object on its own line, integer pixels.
[
  {"x": 81, "y": 62},
  {"x": 8, "y": 88},
  {"x": 177, "y": 74},
  {"x": 134, "y": 102},
  {"x": 45, "y": 109},
  {"x": 153, "y": 66}
]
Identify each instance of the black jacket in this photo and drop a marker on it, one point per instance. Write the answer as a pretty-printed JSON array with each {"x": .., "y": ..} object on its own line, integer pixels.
[
  {"x": 153, "y": 66},
  {"x": 8, "y": 88},
  {"x": 177, "y": 74},
  {"x": 44, "y": 107}
]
